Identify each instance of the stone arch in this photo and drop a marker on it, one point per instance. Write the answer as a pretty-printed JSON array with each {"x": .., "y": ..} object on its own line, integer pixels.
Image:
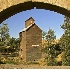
[{"x": 9, "y": 8}]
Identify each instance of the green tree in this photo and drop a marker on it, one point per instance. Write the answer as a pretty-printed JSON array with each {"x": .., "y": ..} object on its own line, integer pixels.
[
  {"x": 65, "y": 42},
  {"x": 44, "y": 38},
  {"x": 51, "y": 53},
  {"x": 51, "y": 50},
  {"x": 44, "y": 35},
  {"x": 4, "y": 34},
  {"x": 14, "y": 43},
  {"x": 50, "y": 37}
]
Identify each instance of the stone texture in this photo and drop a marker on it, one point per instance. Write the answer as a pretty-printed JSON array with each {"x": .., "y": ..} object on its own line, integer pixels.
[
  {"x": 22, "y": 52},
  {"x": 62, "y": 3},
  {"x": 7, "y": 3},
  {"x": 11, "y": 7}
]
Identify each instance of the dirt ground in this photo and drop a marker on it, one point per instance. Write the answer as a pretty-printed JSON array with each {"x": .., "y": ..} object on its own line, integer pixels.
[{"x": 21, "y": 66}]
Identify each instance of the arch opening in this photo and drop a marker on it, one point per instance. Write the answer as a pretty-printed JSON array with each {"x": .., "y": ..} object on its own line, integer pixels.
[{"x": 21, "y": 58}]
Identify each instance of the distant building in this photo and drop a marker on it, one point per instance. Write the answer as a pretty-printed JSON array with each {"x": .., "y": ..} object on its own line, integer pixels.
[{"x": 30, "y": 41}]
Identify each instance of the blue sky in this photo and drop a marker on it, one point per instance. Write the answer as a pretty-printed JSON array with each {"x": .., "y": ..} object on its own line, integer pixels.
[{"x": 45, "y": 19}]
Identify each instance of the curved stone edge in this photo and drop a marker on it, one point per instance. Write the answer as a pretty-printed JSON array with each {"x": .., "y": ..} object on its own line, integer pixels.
[{"x": 8, "y": 3}]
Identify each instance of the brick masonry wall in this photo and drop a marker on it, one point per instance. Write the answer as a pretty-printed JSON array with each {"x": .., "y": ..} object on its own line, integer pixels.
[
  {"x": 33, "y": 37},
  {"x": 22, "y": 52}
]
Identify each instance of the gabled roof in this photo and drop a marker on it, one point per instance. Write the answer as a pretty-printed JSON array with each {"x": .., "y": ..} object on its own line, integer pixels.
[
  {"x": 29, "y": 19},
  {"x": 27, "y": 28}
]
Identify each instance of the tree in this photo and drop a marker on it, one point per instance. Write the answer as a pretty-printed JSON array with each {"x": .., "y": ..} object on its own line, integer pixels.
[
  {"x": 4, "y": 35},
  {"x": 51, "y": 50},
  {"x": 50, "y": 37},
  {"x": 51, "y": 53},
  {"x": 14, "y": 43},
  {"x": 65, "y": 42},
  {"x": 44, "y": 35},
  {"x": 44, "y": 38}
]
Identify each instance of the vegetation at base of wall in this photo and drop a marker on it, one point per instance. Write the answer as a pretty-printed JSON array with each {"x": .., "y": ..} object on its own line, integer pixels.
[
  {"x": 10, "y": 62},
  {"x": 32, "y": 62},
  {"x": 1, "y": 62},
  {"x": 51, "y": 62}
]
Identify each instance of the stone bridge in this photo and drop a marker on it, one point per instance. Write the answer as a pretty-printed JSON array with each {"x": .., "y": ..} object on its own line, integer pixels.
[{"x": 9, "y": 8}]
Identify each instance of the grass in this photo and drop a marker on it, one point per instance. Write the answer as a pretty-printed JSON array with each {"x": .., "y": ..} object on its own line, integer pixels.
[{"x": 10, "y": 62}]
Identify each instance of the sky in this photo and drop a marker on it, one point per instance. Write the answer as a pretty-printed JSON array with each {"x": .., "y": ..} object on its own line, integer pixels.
[{"x": 45, "y": 19}]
